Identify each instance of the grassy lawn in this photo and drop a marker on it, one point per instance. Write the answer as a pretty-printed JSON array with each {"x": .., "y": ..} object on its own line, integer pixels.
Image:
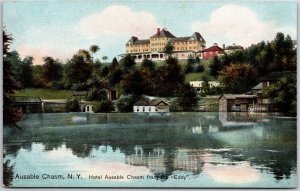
[
  {"x": 198, "y": 76},
  {"x": 211, "y": 103},
  {"x": 45, "y": 93}
]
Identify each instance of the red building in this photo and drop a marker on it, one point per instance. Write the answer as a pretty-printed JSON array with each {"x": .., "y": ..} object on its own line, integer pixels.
[{"x": 212, "y": 51}]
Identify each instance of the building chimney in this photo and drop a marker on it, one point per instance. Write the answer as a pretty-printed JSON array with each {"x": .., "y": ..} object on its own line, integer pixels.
[
  {"x": 223, "y": 46},
  {"x": 158, "y": 31}
]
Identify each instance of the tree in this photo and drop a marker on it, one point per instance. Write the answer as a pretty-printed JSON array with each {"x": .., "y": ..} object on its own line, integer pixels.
[
  {"x": 104, "y": 58},
  {"x": 72, "y": 106},
  {"x": 78, "y": 69},
  {"x": 16, "y": 62},
  {"x": 127, "y": 63},
  {"x": 215, "y": 66},
  {"x": 132, "y": 83},
  {"x": 205, "y": 88},
  {"x": 94, "y": 48},
  {"x": 172, "y": 77},
  {"x": 114, "y": 64},
  {"x": 115, "y": 76},
  {"x": 85, "y": 55},
  {"x": 96, "y": 94},
  {"x": 10, "y": 115},
  {"x": 104, "y": 71},
  {"x": 197, "y": 60},
  {"x": 147, "y": 65},
  {"x": 237, "y": 78},
  {"x": 199, "y": 67},
  {"x": 26, "y": 72},
  {"x": 52, "y": 69},
  {"x": 186, "y": 97},
  {"x": 104, "y": 106},
  {"x": 283, "y": 94},
  {"x": 189, "y": 66},
  {"x": 169, "y": 48},
  {"x": 148, "y": 73},
  {"x": 125, "y": 104}
]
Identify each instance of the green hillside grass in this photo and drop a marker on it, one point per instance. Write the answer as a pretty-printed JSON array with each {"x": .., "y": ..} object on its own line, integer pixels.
[{"x": 45, "y": 93}]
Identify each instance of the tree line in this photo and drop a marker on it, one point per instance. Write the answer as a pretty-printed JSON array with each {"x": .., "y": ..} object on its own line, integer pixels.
[
  {"x": 242, "y": 69},
  {"x": 84, "y": 72},
  {"x": 276, "y": 60}
]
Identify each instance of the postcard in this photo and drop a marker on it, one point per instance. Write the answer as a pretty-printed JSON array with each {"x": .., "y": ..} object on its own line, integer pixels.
[{"x": 149, "y": 94}]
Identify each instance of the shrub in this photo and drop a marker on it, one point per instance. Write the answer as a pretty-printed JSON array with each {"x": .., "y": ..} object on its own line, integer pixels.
[
  {"x": 104, "y": 106},
  {"x": 126, "y": 104},
  {"x": 96, "y": 95},
  {"x": 72, "y": 106}
]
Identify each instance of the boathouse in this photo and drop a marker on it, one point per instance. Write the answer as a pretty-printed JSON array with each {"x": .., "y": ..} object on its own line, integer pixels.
[
  {"x": 236, "y": 102},
  {"x": 27, "y": 104}
]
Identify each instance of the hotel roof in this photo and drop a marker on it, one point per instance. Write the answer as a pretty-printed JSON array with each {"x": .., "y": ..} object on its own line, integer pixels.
[{"x": 163, "y": 33}]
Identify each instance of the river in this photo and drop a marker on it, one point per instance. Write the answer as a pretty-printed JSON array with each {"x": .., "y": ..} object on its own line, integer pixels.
[{"x": 188, "y": 149}]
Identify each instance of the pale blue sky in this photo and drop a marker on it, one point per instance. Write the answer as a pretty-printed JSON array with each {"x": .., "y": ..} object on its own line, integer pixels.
[{"x": 60, "y": 28}]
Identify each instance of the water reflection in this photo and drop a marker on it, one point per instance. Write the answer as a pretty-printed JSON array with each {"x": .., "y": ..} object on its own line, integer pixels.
[{"x": 230, "y": 148}]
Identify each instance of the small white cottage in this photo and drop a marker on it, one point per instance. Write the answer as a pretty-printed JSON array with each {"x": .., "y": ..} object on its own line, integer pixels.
[{"x": 151, "y": 106}]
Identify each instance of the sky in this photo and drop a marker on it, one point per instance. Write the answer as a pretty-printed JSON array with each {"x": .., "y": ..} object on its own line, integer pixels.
[{"x": 60, "y": 28}]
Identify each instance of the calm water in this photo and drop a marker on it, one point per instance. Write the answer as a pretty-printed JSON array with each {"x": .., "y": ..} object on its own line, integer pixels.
[{"x": 176, "y": 149}]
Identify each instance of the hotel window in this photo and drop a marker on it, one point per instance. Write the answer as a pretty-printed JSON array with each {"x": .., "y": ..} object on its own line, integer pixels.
[
  {"x": 149, "y": 108},
  {"x": 137, "y": 109},
  {"x": 143, "y": 109}
]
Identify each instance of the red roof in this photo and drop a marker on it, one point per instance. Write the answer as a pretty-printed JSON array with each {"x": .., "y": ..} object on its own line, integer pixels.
[{"x": 213, "y": 49}]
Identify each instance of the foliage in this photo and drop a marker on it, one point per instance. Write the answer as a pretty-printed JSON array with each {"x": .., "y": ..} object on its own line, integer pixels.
[
  {"x": 215, "y": 66},
  {"x": 10, "y": 85},
  {"x": 127, "y": 63},
  {"x": 198, "y": 68},
  {"x": 104, "y": 58},
  {"x": 114, "y": 64},
  {"x": 172, "y": 77},
  {"x": 52, "y": 69},
  {"x": 197, "y": 60},
  {"x": 186, "y": 97},
  {"x": 237, "y": 78},
  {"x": 283, "y": 94},
  {"x": 8, "y": 175},
  {"x": 16, "y": 62},
  {"x": 131, "y": 83},
  {"x": 104, "y": 106},
  {"x": 189, "y": 66},
  {"x": 105, "y": 71},
  {"x": 150, "y": 80},
  {"x": 205, "y": 88},
  {"x": 78, "y": 69},
  {"x": 125, "y": 104},
  {"x": 72, "y": 106},
  {"x": 96, "y": 94},
  {"x": 169, "y": 48},
  {"x": 274, "y": 56},
  {"x": 26, "y": 72},
  {"x": 94, "y": 48},
  {"x": 147, "y": 65}
]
